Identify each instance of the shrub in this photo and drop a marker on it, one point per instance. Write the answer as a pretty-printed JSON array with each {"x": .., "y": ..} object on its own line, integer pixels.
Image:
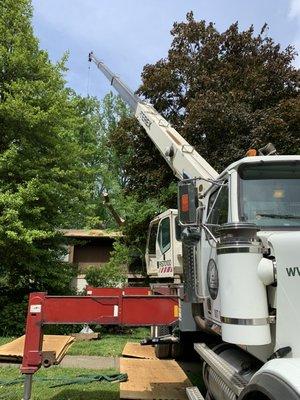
[{"x": 108, "y": 275}]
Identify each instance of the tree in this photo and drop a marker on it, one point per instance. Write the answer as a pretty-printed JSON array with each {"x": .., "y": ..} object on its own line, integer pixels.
[
  {"x": 110, "y": 176},
  {"x": 101, "y": 159},
  {"x": 224, "y": 92},
  {"x": 114, "y": 272},
  {"x": 44, "y": 179}
]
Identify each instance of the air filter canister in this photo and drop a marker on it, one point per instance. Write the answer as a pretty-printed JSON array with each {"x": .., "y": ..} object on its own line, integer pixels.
[{"x": 244, "y": 305}]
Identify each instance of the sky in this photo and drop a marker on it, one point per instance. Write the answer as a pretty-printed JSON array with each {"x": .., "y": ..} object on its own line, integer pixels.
[{"x": 127, "y": 34}]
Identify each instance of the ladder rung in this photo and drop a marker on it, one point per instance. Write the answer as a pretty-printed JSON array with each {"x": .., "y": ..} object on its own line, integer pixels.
[{"x": 193, "y": 393}]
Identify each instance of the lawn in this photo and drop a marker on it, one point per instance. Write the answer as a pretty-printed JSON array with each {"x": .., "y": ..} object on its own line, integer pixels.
[
  {"x": 110, "y": 344},
  {"x": 4, "y": 340},
  {"x": 42, "y": 391}
]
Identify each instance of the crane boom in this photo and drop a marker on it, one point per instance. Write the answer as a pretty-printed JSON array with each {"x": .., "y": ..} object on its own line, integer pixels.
[{"x": 182, "y": 158}]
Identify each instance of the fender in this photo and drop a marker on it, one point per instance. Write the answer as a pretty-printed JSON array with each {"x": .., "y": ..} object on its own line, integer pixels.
[{"x": 277, "y": 379}]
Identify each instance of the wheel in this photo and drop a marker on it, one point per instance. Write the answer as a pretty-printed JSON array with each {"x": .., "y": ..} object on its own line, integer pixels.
[
  {"x": 162, "y": 350},
  {"x": 257, "y": 396},
  {"x": 176, "y": 350}
]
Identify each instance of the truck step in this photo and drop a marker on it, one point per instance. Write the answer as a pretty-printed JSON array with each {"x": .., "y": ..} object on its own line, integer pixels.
[
  {"x": 193, "y": 393},
  {"x": 221, "y": 367}
]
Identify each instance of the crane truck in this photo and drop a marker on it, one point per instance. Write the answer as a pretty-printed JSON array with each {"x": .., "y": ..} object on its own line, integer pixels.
[{"x": 238, "y": 252}]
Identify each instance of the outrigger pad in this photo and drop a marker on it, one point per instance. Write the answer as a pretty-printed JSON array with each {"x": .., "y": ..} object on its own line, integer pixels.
[
  {"x": 153, "y": 380},
  {"x": 13, "y": 351},
  {"x": 136, "y": 350}
]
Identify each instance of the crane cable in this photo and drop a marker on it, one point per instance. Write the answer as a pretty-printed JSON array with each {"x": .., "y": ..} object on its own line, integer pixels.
[{"x": 88, "y": 80}]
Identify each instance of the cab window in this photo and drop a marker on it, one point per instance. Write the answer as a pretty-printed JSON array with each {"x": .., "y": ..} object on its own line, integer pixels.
[
  {"x": 152, "y": 238},
  {"x": 178, "y": 229},
  {"x": 164, "y": 235},
  {"x": 218, "y": 208},
  {"x": 269, "y": 194}
]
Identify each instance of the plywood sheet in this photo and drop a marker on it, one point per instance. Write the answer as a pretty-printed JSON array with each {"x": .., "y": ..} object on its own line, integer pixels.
[
  {"x": 136, "y": 350},
  {"x": 153, "y": 380},
  {"x": 58, "y": 343},
  {"x": 81, "y": 337}
]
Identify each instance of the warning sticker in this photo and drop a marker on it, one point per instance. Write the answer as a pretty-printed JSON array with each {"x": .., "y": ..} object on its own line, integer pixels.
[
  {"x": 165, "y": 269},
  {"x": 35, "y": 308}
]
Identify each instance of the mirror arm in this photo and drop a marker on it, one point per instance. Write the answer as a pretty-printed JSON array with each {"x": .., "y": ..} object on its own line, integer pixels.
[{"x": 209, "y": 232}]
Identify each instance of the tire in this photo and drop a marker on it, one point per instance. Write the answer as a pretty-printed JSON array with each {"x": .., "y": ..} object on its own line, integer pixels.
[
  {"x": 176, "y": 351},
  {"x": 162, "y": 350},
  {"x": 257, "y": 396}
]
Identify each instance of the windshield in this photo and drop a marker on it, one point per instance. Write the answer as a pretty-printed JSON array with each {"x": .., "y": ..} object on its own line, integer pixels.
[{"x": 270, "y": 194}]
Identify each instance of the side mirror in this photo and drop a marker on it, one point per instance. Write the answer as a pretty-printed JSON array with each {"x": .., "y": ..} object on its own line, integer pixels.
[{"x": 187, "y": 203}]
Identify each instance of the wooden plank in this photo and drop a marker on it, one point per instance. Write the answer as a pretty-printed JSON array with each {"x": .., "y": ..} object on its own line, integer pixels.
[
  {"x": 153, "y": 380},
  {"x": 136, "y": 350},
  {"x": 85, "y": 336},
  {"x": 58, "y": 343}
]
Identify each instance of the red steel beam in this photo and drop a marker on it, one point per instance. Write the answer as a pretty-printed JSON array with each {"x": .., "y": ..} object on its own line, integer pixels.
[
  {"x": 139, "y": 310},
  {"x": 80, "y": 309},
  {"x": 134, "y": 290},
  {"x": 149, "y": 310}
]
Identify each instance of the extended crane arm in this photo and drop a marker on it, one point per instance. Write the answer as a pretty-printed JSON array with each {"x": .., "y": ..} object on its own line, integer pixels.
[{"x": 179, "y": 154}]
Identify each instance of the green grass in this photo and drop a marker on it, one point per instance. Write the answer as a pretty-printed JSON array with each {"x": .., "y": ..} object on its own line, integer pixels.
[
  {"x": 4, "y": 340},
  {"x": 109, "y": 345},
  {"x": 41, "y": 390}
]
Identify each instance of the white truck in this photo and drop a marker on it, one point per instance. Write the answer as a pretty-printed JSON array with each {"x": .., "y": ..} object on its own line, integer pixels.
[{"x": 240, "y": 238}]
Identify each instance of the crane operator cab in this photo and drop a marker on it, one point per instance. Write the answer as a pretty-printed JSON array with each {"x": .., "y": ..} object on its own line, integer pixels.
[{"x": 163, "y": 252}]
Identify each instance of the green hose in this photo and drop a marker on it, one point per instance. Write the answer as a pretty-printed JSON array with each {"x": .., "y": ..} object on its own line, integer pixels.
[
  {"x": 83, "y": 379},
  {"x": 65, "y": 381}
]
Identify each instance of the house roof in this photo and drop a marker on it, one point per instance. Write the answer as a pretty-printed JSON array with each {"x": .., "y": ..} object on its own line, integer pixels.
[{"x": 91, "y": 233}]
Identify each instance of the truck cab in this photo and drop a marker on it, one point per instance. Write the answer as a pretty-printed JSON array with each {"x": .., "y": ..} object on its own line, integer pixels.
[
  {"x": 244, "y": 277},
  {"x": 164, "y": 252}
]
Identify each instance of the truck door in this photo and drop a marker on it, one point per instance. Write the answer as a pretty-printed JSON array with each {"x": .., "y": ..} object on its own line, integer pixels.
[
  {"x": 217, "y": 214},
  {"x": 150, "y": 255},
  {"x": 164, "y": 249}
]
